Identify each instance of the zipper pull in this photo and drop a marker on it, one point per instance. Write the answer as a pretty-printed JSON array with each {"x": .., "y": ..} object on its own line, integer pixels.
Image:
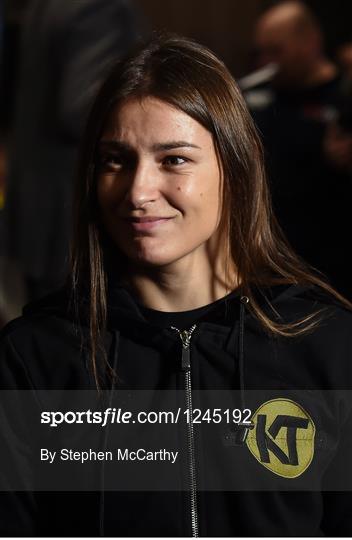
[{"x": 185, "y": 336}]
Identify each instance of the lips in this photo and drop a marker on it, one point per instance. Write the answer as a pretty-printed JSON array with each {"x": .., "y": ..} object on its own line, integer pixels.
[
  {"x": 146, "y": 219},
  {"x": 147, "y": 222}
]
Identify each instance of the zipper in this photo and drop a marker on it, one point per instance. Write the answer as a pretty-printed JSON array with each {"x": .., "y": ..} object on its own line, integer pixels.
[{"x": 185, "y": 336}]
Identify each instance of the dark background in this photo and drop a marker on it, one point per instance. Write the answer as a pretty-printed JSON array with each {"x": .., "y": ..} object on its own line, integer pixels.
[{"x": 224, "y": 25}]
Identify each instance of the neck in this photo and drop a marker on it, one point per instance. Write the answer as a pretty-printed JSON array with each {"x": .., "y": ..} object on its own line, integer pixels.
[{"x": 180, "y": 287}]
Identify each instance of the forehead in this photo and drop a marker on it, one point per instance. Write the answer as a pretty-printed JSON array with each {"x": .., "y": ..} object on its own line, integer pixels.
[{"x": 154, "y": 119}]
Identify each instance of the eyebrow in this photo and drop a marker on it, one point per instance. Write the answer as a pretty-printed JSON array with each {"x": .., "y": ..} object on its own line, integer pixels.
[
  {"x": 173, "y": 144},
  {"x": 157, "y": 147}
]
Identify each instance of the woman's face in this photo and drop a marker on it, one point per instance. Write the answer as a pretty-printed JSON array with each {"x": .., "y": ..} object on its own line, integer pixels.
[{"x": 159, "y": 184}]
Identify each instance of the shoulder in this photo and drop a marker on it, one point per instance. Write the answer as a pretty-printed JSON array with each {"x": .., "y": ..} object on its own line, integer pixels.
[
  {"x": 52, "y": 311},
  {"x": 43, "y": 348},
  {"x": 335, "y": 314},
  {"x": 326, "y": 318},
  {"x": 45, "y": 327},
  {"x": 325, "y": 346},
  {"x": 301, "y": 300}
]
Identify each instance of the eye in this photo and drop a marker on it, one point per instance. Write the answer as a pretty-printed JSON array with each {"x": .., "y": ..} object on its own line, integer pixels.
[
  {"x": 110, "y": 162},
  {"x": 174, "y": 160}
]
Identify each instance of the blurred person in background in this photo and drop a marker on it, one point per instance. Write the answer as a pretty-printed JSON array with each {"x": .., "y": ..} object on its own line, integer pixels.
[
  {"x": 344, "y": 58},
  {"x": 66, "y": 49},
  {"x": 292, "y": 110},
  {"x": 338, "y": 136},
  {"x": 289, "y": 35}
]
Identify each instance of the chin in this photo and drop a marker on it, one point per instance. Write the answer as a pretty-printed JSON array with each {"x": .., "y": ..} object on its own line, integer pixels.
[
  {"x": 151, "y": 262},
  {"x": 149, "y": 256}
]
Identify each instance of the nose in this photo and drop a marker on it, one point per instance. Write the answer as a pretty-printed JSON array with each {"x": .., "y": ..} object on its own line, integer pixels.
[{"x": 143, "y": 184}]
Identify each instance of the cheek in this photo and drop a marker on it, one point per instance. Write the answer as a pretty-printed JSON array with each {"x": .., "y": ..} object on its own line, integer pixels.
[
  {"x": 108, "y": 195},
  {"x": 103, "y": 193},
  {"x": 202, "y": 207}
]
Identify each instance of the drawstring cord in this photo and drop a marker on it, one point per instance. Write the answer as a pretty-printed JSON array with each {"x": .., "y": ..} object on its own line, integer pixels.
[
  {"x": 244, "y": 302},
  {"x": 116, "y": 341},
  {"x": 242, "y": 428}
]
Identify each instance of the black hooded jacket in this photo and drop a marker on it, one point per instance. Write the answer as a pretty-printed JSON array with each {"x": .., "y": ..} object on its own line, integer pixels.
[{"x": 286, "y": 474}]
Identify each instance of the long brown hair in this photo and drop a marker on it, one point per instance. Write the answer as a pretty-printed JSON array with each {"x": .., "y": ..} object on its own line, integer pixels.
[{"x": 189, "y": 76}]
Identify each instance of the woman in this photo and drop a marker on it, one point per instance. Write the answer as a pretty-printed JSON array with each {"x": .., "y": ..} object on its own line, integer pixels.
[{"x": 182, "y": 280}]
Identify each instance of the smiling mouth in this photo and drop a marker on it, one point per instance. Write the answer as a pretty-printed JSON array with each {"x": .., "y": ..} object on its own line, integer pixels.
[{"x": 146, "y": 224}]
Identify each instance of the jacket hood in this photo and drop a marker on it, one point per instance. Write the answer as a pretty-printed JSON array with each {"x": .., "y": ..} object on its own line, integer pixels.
[
  {"x": 123, "y": 308},
  {"x": 124, "y": 313}
]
